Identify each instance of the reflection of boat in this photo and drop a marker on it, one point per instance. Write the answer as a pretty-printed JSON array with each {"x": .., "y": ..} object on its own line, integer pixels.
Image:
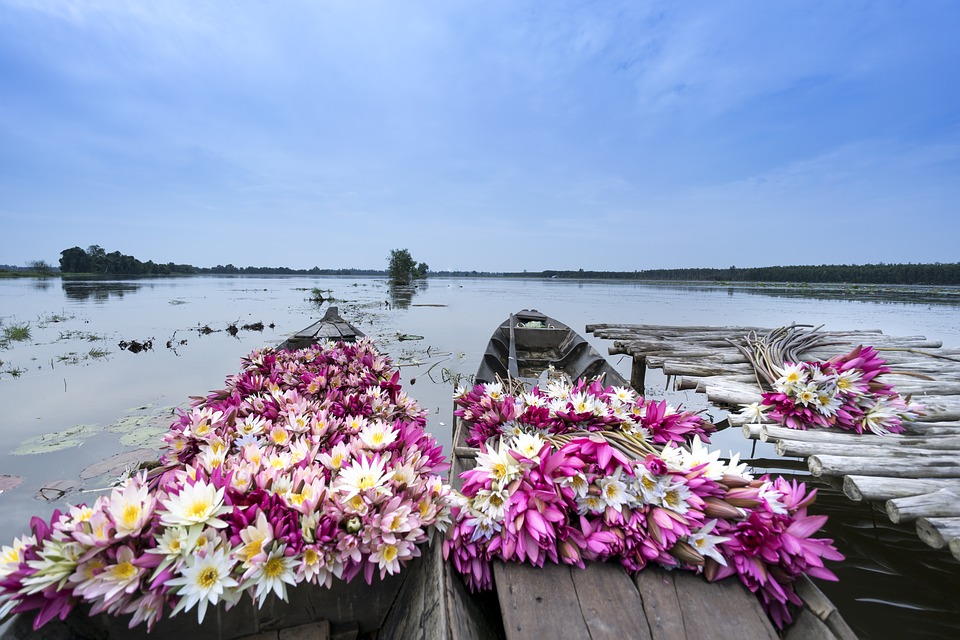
[{"x": 530, "y": 344}]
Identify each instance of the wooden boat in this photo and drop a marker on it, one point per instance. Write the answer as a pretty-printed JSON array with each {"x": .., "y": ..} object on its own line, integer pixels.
[
  {"x": 601, "y": 601},
  {"x": 529, "y": 345}
]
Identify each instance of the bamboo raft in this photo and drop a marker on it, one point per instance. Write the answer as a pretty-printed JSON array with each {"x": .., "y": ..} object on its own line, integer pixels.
[{"x": 915, "y": 475}]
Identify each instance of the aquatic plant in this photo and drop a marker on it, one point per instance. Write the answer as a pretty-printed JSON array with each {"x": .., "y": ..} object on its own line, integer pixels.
[
  {"x": 845, "y": 392},
  {"x": 309, "y": 466},
  {"x": 584, "y": 406},
  {"x": 607, "y": 492}
]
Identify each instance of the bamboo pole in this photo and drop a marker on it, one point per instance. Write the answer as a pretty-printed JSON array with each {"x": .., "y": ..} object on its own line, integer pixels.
[{"x": 892, "y": 464}]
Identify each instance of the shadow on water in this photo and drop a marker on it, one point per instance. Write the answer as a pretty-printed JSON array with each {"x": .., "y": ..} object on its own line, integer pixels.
[
  {"x": 98, "y": 291},
  {"x": 401, "y": 295},
  {"x": 888, "y": 574}
]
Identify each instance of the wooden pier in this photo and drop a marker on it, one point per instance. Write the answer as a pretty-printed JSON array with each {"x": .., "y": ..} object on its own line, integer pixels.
[{"x": 916, "y": 474}]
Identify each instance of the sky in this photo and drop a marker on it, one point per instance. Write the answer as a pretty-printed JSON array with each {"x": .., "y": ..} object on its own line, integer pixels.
[{"x": 489, "y": 136}]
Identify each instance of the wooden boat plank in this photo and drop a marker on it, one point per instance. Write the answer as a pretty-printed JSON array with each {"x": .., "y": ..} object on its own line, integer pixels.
[
  {"x": 609, "y": 602},
  {"x": 661, "y": 604},
  {"x": 704, "y": 601},
  {"x": 537, "y": 603}
]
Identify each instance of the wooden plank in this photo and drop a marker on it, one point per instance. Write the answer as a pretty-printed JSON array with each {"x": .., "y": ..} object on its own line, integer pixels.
[
  {"x": 820, "y": 605},
  {"x": 878, "y": 489},
  {"x": 893, "y": 464},
  {"x": 807, "y": 626},
  {"x": 722, "y": 609},
  {"x": 538, "y": 603},
  {"x": 609, "y": 602},
  {"x": 661, "y": 604}
]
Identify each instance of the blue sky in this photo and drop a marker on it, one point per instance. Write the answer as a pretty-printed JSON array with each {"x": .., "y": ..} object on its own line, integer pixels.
[{"x": 481, "y": 135}]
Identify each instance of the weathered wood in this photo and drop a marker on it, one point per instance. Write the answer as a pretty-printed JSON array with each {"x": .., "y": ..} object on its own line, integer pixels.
[
  {"x": 772, "y": 433},
  {"x": 879, "y": 489},
  {"x": 538, "y": 603},
  {"x": 638, "y": 373},
  {"x": 893, "y": 464},
  {"x": 940, "y": 503},
  {"x": 752, "y": 431},
  {"x": 707, "y": 607},
  {"x": 730, "y": 393},
  {"x": 680, "y": 605},
  {"x": 868, "y": 446},
  {"x": 938, "y": 532},
  {"x": 807, "y": 626},
  {"x": 661, "y": 604},
  {"x": 609, "y": 602},
  {"x": 823, "y": 608}
]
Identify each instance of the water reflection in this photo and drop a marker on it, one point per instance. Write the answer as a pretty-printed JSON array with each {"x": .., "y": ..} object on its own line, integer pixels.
[
  {"x": 401, "y": 295},
  {"x": 41, "y": 284},
  {"x": 97, "y": 291}
]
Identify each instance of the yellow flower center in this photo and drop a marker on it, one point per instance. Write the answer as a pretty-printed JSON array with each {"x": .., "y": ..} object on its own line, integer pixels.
[
  {"x": 499, "y": 471},
  {"x": 311, "y": 557},
  {"x": 389, "y": 553},
  {"x": 273, "y": 568},
  {"x": 367, "y": 481},
  {"x": 496, "y": 500},
  {"x": 131, "y": 513},
  {"x": 611, "y": 491},
  {"x": 198, "y": 509},
  {"x": 207, "y": 578},
  {"x": 377, "y": 438},
  {"x": 124, "y": 571}
]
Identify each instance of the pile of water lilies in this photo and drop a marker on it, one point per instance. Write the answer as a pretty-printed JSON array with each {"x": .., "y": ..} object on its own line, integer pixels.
[
  {"x": 310, "y": 466},
  {"x": 844, "y": 392},
  {"x": 588, "y": 484}
]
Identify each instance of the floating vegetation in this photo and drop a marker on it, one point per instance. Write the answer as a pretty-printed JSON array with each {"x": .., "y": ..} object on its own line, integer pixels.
[
  {"x": 15, "y": 333},
  {"x": 57, "y": 441},
  {"x": 120, "y": 464},
  {"x": 144, "y": 430},
  {"x": 10, "y": 482},
  {"x": 178, "y": 302},
  {"x": 402, "y": 337},
  {"x": 80, "y": 335},
  {"x": 321, "y": 295},
  {"x": 135, "y": 346},
  {"x": 97, "y": 353},
  {"x": 205, "y": 330},
  {"x": 255, "y": 326},
  {"x": 54, "y": 318}
]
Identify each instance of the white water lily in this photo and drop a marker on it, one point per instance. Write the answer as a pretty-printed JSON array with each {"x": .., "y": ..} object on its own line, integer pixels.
[
  {"x": 754, "y": 412},
  {"x": 499, "y": 465},
  {"x": 361, "y": 476},
  {"x": 528, "y": 445},
  {"x": 613, "y": 491},
  {"x": 197, "y": 503},
  {"x": 378, "y": 435},
  {"x": 204, "y": 579},
  {"x": 130, "y": 508},
  {"x": 706, "y": 544},
  {"x": 273, "y": 574}
]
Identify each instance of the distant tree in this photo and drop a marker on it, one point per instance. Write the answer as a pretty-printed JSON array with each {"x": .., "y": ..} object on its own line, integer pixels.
[
  {"x": 40, "y": 266},
  {"x": 75, "y": 260},
  {"x": 420, "y": 271},
  {"x": 401, "y": 266}
]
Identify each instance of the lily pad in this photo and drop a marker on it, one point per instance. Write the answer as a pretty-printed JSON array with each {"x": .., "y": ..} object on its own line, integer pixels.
[
  {"x": 50, "y": 442},
  {"x": 56, "y": 490},
  {"x": 10, "y": 482},
  {"x": 115, "y": 465},
  {"x": 145, "y": 430}
]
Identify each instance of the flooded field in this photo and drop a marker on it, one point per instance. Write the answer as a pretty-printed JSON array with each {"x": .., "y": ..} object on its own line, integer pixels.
[{"x": 92, "y": 369}]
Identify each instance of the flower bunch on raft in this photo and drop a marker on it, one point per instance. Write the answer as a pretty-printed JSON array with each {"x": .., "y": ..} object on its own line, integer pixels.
[
  {"x": 844, "y": 392},
  {"x": 310, "y": 465},
  {"x": 564, "y": 408},
  {"x": 609, "y": 495}
]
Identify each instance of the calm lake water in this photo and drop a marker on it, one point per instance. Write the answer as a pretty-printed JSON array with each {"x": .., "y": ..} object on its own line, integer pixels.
[{"x": 60, "y": 382}]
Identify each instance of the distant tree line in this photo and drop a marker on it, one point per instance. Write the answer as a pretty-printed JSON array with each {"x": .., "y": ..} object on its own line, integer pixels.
[
  {"x": 910, "y": 273},
  {"x": 95, "y": 260}
]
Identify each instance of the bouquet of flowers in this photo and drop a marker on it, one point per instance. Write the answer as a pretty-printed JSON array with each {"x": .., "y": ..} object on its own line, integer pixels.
[
  {"x": 310, "y": 465},
  {"x": 602, "y": 491},
  {"x": 562, "y": 408},
  {"x": 844, "y": 392}
]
